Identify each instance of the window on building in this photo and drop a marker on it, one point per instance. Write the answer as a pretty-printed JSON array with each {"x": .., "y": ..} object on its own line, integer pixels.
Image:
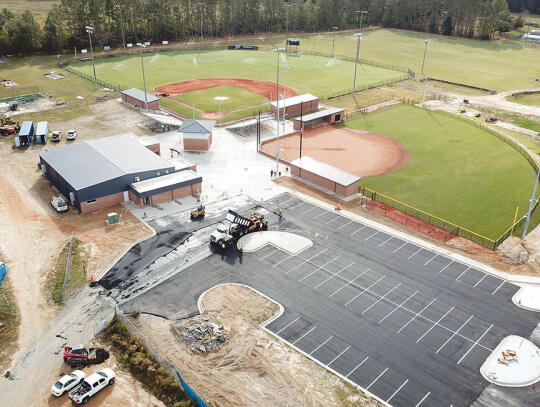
[{"x": 91, "y": 201}]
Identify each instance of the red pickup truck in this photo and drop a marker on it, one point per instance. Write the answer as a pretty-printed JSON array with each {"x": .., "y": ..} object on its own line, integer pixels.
[{"x": 78, "y": 355}]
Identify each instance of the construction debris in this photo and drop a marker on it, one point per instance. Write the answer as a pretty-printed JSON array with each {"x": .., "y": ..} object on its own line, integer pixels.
[{"x": 201, "y": 334}]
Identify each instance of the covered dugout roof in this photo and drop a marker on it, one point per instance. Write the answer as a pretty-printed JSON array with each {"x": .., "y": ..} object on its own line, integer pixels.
[
  {"x": 139, "y": 95},
  {"x": 166, "y": 183},
  {"x": 326, "y": 171},
  {"x": 295, "y": 100},
  {"x": 191, "y": 127},
  {"x": 95, "y": 161},
  {"x": 313, "y": 117}
]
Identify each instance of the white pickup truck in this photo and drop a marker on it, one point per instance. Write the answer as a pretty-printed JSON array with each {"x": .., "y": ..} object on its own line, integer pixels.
[{"x": 91, "y": 385}]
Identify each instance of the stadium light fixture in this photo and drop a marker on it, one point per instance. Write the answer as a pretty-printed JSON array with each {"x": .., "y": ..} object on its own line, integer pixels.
[
  {"x": 277, "y": 51},
  {"x": 358, "y": 37},
  {"x": 90, "y": 31},
  {"x": 361, "y": 12},
  {"x": 285, "y": 68},
  {"x": 334, "y": 41},
  {"x": 427, "y": 41},
  {"x": 141, "y": 46}
]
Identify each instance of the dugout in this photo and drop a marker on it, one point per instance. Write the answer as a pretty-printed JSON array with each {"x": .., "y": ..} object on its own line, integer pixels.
[
  {"x": 317, "y": 119},
  {"x": 295, "y": 105},
  {"x": 136, "y": 97}
]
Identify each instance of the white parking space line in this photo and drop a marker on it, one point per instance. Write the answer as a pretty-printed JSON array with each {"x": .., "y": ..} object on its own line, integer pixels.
[
  {"x": 295, "y": 206},
  {"x": 348, "y": 282},
  {"x": 356, "y": 231},
  {"x": 435, "y": 324},
  {"x": 444, "y": 268},
  {"x": 333, "y": 360},
  {"x": 333, "y": 275},
  {"x": 415, "y": 253},
  {"x": 461, "y": 275},
  {"x": 399, "y": 247},
  {"x": 284, "y": 202},
  {"x": 357, "y": 366},
  {"x": 363, "y": 291},
  {"x": 454, "y": 334},
  {"x": 311, "y": 330},
  {"x": 416, "y": 314},
  {"x": 331, "y": 220},
  {"x": 397, "y": 391},
  {"x": 319, "y": 268},
  {"x": 288, "y": 325},
  {"x": 497, "y": 289},
  {"x": 320, "y": 214},
  {"x": 429, "y": 261},
  {"x": 321, "y": 345},
  {"x": 367, "y": 238},
  {"x": 382, "y": 298},
  {"x": 305, "y": 261},
  {"x": 284, "y": 260},
  {"x": 479, "y": 281},
  {"x": 474, "y": 344},
  {"x": 269, "y": 254},
  {"x": 390, "y": 238},
  {"x": 310, "y": 209},
  {"x": 341, "y": 227},
  {"x": 399, "y": 306},
  {"x": 425, "y": 397},
  {"x": 377, "y": 378}
]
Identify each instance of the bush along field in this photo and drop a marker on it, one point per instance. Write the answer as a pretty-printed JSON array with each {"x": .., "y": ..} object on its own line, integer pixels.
[{"x": 457, "y": 171}]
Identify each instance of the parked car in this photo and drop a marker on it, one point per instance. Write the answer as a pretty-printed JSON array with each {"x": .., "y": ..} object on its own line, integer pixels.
[
  {"x": 78, "y": 355},
  {"x": 71, "y": 135},
  {"x": 56, "y": 136},
  {"x": 92, "y": 385},
  {"x": 67, "y": 382},
  {"x": 59, "y": 204}
]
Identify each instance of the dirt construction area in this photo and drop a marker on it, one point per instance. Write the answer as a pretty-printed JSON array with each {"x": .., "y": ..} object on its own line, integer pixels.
[
  {"x": 358, "y": 152},
  {"x": 264, "y": 88},
  {"x": 252, "y": 367}
]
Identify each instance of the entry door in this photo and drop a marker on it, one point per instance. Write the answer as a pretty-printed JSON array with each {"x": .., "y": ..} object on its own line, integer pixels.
[{"x": 126, "y": 196}]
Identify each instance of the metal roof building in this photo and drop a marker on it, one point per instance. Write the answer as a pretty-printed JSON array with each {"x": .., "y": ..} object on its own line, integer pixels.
[
  {"x": 136, "y": 97},
  {"x": 197, "y": 134},
  {"x": 295, "y": 105},
  {"x": 326, "y": 116}
]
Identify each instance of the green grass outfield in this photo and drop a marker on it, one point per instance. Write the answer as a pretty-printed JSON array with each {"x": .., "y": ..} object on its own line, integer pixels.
[
  {"x": 499, "y": 65},
  {"x": 238, "y": 98},
  {"x": 457, "y": 171},
  {"x": 530, "y": 100}
]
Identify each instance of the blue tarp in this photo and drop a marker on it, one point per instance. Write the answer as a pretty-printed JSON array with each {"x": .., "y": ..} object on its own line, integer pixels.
[
  {"x": 189, "y": 391},
  {"x": 2, "y": 272}
]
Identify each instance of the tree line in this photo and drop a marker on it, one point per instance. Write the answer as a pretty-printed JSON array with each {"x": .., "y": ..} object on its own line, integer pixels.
[{"x": 157, "y": 20}]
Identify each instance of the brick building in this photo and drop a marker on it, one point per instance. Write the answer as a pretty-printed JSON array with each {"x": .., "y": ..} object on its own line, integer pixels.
[
  {"x": 197, "y": 134},
  {"x": 136, "y": 98},
  {"x": 295, "y": 105},
  {"x": 320, "y": 118}
]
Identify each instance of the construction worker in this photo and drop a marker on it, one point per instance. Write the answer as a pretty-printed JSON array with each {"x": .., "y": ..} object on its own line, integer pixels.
[
  {"x": 280, "y": 213},
  {"x": 271, "y": 173}
]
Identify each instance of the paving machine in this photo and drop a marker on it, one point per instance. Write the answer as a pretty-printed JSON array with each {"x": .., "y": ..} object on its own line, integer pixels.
[
  {"x": 200, "y": 211},
  {"x": 227, "y": 235}
]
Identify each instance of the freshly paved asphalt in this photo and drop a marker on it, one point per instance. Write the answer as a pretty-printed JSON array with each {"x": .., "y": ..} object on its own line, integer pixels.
[{"x": 411, "y": 326}]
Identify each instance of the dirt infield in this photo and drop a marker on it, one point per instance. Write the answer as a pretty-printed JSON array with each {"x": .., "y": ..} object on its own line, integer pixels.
[
  {"x": 358, "y": 152},
  {"x": 266, "y": 89}
]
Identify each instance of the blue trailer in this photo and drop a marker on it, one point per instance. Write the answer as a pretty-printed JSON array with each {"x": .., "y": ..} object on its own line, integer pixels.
[
  {"x": 42, "y": 132},
  {"x": 26, "y": 134}
]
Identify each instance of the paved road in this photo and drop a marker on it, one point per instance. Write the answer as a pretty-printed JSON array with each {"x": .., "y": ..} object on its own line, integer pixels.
[{"x": 410, "y": 325}]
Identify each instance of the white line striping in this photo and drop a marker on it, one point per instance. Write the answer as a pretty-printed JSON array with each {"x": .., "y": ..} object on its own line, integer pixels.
[
  {"x": 367, "y": 238},
  {"x": 444, "y": 268},
  {"x": 377, "y": 378},
  {"x": 415, "y": 253},
  {"x": 363, "y": 291},
  {"x": 427, "y": 262},
  {"x": 309, "y": 210},
  {"x": 288, "y": 325},
  {"x": 333, "y": 275},
  {"x": 425, "y": 397},
  {"x": 382, "y": 298},
  {"x": 341, "y": 227},
  {"x": 311, "y": 330},
  {"x": 399, "y": 306},
  {"x": 318, "y": 268},
  {"x": 269, "y": 254},
  {"x": 497, "y": 289},
  {"x": 295, "y": 206},
  {"x": 396, "y": 392},
  {"x": 285, "y": 259},
  {"x": 349, "y": 282},
  {"x": 435, "y": 324},
  {"x": 333, "y": 360},
  {"x": 478, "y": 282},
  {"x": 357, "y": 366},
  {"x": 461, "y": 275},
  {"x": 390, "y": 238},
  {"x": 416, "y": 314},
  {"x": 321, "y": 214},
  {"x": 337, "y": 217},
  {"x": 321, "y": 345},
  {"x": 305, "y": 261},
  {"x": 399, "y": 247},
  {"x": 454, "y": 334},
  {"x": 474, "y": 344},
  {"x": 358, "y": 230}
]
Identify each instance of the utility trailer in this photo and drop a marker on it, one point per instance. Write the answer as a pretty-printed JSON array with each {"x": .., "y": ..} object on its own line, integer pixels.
[{"x": 227, "y": 235}]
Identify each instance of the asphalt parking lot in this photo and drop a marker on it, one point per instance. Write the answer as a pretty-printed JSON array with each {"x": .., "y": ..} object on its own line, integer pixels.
[{"x": 411, "y": 326}]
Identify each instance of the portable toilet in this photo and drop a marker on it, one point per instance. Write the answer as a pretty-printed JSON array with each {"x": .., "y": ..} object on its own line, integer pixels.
[
  {"x": 26, "y": 133},
  {"x": 42, "y": 132}
]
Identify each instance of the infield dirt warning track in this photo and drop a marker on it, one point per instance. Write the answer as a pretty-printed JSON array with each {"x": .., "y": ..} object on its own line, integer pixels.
[{"x": 359, "y": 152}]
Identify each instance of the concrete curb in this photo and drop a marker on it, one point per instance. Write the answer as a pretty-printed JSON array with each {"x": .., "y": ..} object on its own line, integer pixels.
[{"x": 273, "y": 239}]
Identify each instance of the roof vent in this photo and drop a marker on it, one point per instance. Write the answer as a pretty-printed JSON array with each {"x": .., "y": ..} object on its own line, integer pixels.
[
  {"x": 137, "y": 179},
  {"x": 158, "y": 173}
]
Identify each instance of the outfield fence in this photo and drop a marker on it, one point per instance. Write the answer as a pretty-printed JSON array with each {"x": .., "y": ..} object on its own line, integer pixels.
[
  {"x": 17, "y": 92},
  {"x": 65, "y": 66},
  {"x": 365, "y": 107}
]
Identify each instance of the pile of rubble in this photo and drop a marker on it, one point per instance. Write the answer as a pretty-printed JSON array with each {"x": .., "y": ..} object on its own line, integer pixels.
[{"x": 202, "y": 335}]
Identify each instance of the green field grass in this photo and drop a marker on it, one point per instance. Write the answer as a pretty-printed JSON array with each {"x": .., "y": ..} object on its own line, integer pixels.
[
  {"x": 530, "y": 100},
  {"x": 238, "y": 98},
  {"x": 499, "y": 65},
  {"x": 457, "y": 171}
]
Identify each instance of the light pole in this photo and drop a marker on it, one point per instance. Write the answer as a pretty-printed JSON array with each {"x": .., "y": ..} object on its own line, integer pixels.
[
  {"x": 528, "y": 220},
  {"x": 141, "y": 46},
  {"x": 200, "y": 13},
  {"x": 90, "y": 30},
  {"x": 358, "y": 37},
  {"x": 277, "y": 51},
  {"x": 334, "y": 41},
  {"x": 285, "y": 68},
  {"x": 361, "y": 12},
  {"x": 287, "y": 34},
  {"x": 427, "y": 41},
  {"x": 119, "y": 7}
]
